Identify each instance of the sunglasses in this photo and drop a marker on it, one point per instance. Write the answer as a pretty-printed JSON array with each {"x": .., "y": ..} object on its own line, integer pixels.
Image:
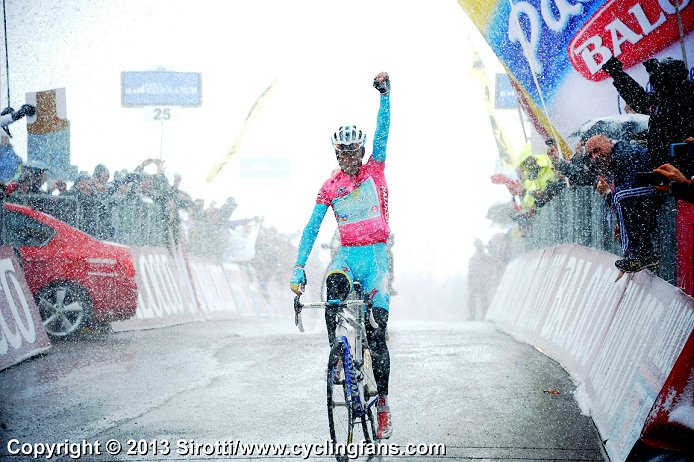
[{"x": 347, "y": 151}]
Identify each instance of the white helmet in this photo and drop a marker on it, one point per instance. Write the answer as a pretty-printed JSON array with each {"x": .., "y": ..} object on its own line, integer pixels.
[{"x": 349, "y": 134}]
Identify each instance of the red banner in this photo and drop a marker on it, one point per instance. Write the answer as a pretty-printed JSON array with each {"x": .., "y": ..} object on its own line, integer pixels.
[
  {"x": 685, "y": 247},
  {"x": 669, "y": 425}
]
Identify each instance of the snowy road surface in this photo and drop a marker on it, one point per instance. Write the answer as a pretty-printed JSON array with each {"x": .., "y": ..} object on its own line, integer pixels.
[{"x": 258, "y": 380}]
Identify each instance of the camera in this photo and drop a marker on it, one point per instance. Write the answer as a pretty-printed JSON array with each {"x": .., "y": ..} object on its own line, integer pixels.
[
  {"x": 650, "y": 179},
  {"x": 681, "y": 150}
]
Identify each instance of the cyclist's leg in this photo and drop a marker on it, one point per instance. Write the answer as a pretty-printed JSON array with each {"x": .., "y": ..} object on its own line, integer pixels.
[
  {"x": 372, "y": 270},
  {"x": 338, "y": 285},
  {"x": 370, "y": 266},
  {"x": 379, "y": 350}
]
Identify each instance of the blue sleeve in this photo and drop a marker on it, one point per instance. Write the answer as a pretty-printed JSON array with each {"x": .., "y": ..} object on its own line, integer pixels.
[
  {"x": 382, "y": 129},
  {"x": 308, "y": 238}
]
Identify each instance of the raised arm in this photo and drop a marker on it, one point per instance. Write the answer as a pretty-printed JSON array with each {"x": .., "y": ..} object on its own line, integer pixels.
[
  {"x": 628, "y": 88},
  {"x": 382, "y": 84}
]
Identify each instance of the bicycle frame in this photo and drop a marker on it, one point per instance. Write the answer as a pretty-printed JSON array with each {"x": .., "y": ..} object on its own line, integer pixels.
[{"x": 350, "y": 330}]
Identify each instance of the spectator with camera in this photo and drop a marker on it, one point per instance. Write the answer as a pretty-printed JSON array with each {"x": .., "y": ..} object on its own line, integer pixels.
[
  {"x": 617, "y": 165},
  {"x": 669, "y": 106},
  {"x": 678, "y": 185}
]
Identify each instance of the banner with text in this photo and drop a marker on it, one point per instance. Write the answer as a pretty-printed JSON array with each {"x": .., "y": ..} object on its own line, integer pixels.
[
  {"x": 553, "y": 51},
  {"x": 21, "y": 331},
  {"x": 619, "y": 340}
]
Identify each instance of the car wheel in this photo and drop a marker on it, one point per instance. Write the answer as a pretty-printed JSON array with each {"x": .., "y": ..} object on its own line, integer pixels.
[{"x": 65, "y": 309}]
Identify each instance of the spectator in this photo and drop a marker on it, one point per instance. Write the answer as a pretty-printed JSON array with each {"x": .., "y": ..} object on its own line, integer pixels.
[
  {"x": 616, "y": 165},
  {"x": 10, "y": 162},
  {"x": 669, "y": 106},
  {"x": 539, "y": 182},
  {"x": 32, "y": 179},
  {"x": 478, "y": 289},
  {"x": 57, "y": 187},
  {"x": 679, "y": 185},
  {"x": 176, "y": 201},
  {"x": 100, "y": 179},
  {"x": 103, "y": 202},
  {"x": 87, "y": 210},
  {"x": 227, "y": 209},
  {"x": 576, "y": 171}
]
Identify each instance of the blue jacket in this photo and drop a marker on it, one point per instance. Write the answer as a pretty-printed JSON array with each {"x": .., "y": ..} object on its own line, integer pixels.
[{"x": 9, "y": 164}]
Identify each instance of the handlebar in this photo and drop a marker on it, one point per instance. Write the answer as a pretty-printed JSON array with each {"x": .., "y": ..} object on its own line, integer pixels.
[{"x": 298, "y": 306}]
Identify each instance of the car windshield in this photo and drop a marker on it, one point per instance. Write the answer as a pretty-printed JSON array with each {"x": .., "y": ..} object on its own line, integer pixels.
[{"x": 19, "y": 230}]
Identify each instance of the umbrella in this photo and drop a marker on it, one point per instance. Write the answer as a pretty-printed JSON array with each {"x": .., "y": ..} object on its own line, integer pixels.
[{"x": 626, "y": 127}]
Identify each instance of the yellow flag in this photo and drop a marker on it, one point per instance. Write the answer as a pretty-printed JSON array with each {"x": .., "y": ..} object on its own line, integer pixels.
[
  {"x": 506, "y": 152},
  {"x": 252, "y": 114}
]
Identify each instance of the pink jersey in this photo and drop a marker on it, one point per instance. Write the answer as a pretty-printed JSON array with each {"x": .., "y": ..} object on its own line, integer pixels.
[{"x": 360, "y": 205}]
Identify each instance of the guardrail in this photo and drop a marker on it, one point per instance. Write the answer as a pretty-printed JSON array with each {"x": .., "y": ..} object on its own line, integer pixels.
[
  {"x": 581, "y": 216},
  {"x": 620, "y": 341},
  {"x": 131, "y": 220}
]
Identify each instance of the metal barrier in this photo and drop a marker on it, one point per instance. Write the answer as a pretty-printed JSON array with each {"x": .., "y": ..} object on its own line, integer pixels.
[
  {"x": 581, "y": 216},
  {"x": 132, "y": 220}
]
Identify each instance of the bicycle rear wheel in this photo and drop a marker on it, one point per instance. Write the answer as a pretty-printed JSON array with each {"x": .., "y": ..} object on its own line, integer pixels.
[{"x": 340, "y": 410}]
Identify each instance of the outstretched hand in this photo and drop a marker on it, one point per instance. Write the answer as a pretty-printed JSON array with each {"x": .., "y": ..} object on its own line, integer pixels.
[
  {"x": 602, "y": 186},
  {"x": 382, "y": 83},
  {"x": 671, "y": 173}
]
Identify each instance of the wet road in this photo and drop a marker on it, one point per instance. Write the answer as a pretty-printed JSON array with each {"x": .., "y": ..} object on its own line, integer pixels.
[{"x": 258, "y": 380}]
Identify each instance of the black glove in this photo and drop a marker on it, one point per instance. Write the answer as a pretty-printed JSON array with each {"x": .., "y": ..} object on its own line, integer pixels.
[
  {"x": 26, "y": 110},
  {"x": 651, "y": 65},
  {"x": 612, "y": 66},
  {"x": 383, "y": 86}
]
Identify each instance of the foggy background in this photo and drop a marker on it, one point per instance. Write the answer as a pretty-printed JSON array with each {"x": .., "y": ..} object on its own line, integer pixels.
[{"x": 323, "y": 56}]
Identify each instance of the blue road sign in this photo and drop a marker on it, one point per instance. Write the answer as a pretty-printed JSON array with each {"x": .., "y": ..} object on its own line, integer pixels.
[{"x": 160, "y": 88}]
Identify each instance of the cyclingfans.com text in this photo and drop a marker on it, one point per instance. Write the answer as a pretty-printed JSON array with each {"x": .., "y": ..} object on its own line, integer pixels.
[{"x": 186, "y": 447}]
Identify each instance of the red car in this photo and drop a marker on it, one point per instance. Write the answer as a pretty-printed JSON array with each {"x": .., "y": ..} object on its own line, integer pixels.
[{"x": 77, "y": 280}]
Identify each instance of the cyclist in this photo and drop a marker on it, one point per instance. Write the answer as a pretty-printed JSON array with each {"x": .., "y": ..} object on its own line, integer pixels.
[{"x": 358, "y": 194}]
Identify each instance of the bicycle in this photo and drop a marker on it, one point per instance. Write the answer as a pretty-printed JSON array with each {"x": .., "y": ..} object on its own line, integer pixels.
[{"x": 351, "y": 387}]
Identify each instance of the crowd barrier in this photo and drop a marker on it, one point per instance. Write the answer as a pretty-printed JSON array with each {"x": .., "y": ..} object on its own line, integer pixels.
[
  {"x": 175, "y": 288},
  {"x": 21, "y": 331},
  {"x": 618, "y": 340}
]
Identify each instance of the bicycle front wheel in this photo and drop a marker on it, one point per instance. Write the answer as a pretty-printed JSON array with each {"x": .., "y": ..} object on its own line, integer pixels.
[{"x": 340, "y": 402}]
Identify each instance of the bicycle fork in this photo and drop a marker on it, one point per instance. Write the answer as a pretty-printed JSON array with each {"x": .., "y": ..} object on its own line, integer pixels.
[{"x": 355, "y": 378}]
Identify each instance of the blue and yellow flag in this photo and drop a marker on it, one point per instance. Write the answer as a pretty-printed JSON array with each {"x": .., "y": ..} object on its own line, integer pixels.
[{"x": 553, "y": 51}]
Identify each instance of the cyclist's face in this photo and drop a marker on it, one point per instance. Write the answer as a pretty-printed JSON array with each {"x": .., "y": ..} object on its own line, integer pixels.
[{"x": 349, "y": 158}]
